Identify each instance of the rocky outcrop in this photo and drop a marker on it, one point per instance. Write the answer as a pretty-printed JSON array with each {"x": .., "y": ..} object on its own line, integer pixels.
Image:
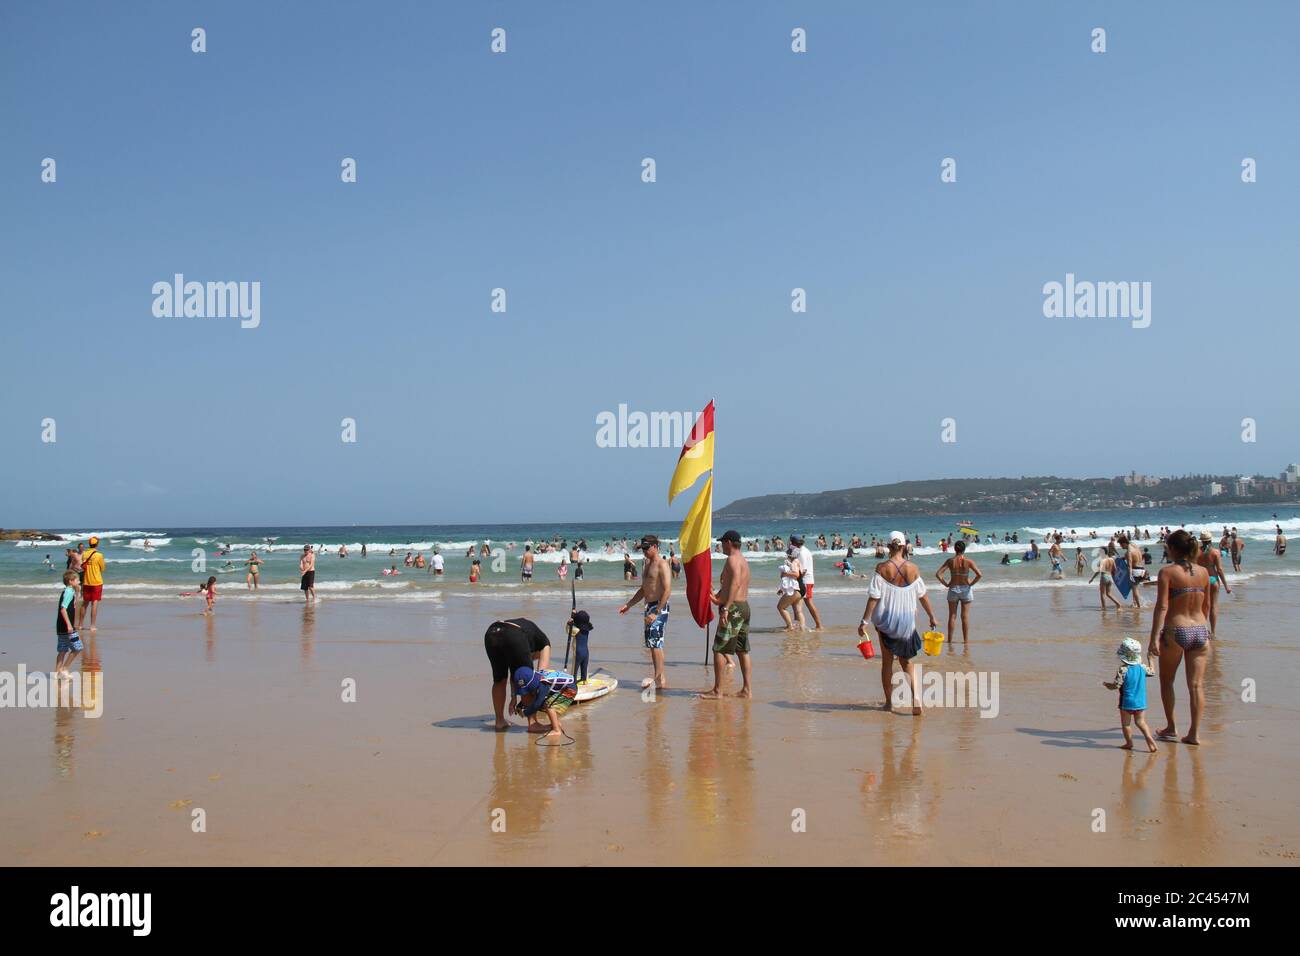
[{"x": 11, "y": 535}]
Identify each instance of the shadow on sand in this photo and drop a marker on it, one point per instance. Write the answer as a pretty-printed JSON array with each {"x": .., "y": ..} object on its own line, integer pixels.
[
  {"x": 480, "y": 722},
  {"x": 1075, "y": 738},
  {"x": 827, "y": 708}
]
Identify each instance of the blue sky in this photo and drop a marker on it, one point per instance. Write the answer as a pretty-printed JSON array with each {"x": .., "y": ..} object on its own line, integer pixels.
[{"x": 522, "y": 171}]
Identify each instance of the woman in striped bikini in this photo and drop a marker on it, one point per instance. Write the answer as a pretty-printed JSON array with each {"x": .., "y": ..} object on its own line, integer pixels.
[{"x": 1180, "y": 628}]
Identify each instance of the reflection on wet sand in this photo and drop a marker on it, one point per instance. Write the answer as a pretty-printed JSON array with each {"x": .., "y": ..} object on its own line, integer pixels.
[
  {"x": 898, "y": 817},
  {"x": 1187, "y": 821},
  {"x": 720, "y": 781},
  {"x": 65, "y": 739},
  {"x": 307, "y": 642},
  {"x": 1217, "y": 690},
  {"x": 800, "y": 664},
  {"x": 529, "y": 778},
  {"x": 210, "y": 638},
  {"x": 657, "y": 771},
  {"x": 1138, "y": 804},
  {"x": 76, "y": 700}
]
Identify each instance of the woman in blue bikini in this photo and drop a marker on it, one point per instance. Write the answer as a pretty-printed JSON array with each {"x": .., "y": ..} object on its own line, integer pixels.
[
  {"x": 1211, "y": 559},
  {"x": 1180, "y": 628}
]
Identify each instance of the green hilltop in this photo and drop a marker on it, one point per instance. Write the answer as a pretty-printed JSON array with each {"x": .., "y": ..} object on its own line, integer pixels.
[{"x": 961, "y": 496}]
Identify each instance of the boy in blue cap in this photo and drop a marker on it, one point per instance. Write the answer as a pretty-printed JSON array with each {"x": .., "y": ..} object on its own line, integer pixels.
[{"x": 549, "y": 691}]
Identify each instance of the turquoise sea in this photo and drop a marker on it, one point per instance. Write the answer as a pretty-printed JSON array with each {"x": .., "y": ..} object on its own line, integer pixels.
[{"x": 157, "y": 563}]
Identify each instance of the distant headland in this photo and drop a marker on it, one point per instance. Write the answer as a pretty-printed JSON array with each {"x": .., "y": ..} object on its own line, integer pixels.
[{"x": 1049, "y": 493}]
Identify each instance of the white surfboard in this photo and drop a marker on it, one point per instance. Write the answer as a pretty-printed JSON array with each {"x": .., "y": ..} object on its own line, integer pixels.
[{"x": 598, "y": 685}]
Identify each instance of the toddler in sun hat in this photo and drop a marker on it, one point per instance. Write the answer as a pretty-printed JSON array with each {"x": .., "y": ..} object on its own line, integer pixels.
[{"x": 1131, "y": 682}]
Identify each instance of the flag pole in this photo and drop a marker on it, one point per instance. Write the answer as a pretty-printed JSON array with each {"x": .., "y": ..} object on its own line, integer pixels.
[
  {"x": 573, "y": 593},
  {"x": 713, "y": 472}
]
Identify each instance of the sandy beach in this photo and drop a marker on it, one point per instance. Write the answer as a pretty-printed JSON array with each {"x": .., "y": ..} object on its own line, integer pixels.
[{"x": 242, "y": 716}]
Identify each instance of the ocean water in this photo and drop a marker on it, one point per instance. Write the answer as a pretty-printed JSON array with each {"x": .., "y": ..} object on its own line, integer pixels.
[{"x": 158, "y": 563}]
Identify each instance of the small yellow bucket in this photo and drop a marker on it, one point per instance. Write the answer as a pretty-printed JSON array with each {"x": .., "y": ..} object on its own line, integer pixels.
[{"x": 933, "y": 641}]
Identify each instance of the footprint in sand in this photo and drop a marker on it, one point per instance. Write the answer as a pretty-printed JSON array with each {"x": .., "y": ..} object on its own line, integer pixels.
[
  {"x": 1067, "y": 776},
  {"x": 215, "y": 776},
  {"x": 181, "y": 804},
  {"x": 92, "y": 834}
]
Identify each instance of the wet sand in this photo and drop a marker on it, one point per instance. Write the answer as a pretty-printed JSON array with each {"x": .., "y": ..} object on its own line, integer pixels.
[{"x": 242, "y": 716}]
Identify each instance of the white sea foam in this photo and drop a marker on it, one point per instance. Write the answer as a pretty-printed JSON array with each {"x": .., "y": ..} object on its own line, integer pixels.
[
  {"x": 146, "y": 560},
  {"x": 139, "y": 543},
  {"x": 112, "y": 537}
]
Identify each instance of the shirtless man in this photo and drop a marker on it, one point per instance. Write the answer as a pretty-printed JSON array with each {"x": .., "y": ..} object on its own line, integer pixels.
[
  {"x": 1056, "y": 555},
  {"x": 656, "y": 587},
  {"x": 307, "y": 567},
  {"x": 526, "y": 565},
  {"x": 732, "y": 599},
  {"x": 1137, "y": 566},
  {"x": 1238, "y": 546},
  {"x": 959, "y": 584}
]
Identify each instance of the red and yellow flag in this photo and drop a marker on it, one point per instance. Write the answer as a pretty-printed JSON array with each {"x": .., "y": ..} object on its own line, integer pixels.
[
  {"x": 697, "y": 455},
  {"x": 697, "y": 559},
  {"x": 697, "y": 530}
]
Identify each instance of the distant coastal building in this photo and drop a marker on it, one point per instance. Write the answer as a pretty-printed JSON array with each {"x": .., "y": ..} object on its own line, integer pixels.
[
  {"x": 1134, "y": 480},
  {"x": 1212, "y": 489},
  {"x": 1292, "y": 474},
  {"x": 1243, "y": 487}
]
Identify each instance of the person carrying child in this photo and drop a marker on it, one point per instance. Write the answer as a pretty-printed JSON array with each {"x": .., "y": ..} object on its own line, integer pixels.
[{"x": 1131, "y": 682}]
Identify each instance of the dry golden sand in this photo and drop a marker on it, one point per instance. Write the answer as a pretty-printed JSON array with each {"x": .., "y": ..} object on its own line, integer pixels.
[{"x": 242, "y": 717}]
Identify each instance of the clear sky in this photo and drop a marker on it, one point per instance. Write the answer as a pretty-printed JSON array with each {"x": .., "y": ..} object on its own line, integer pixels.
[{"x": 522, "y": 170}]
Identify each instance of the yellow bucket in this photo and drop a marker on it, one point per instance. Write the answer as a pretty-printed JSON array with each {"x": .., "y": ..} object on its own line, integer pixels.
[{"x": 933, "y": 641}]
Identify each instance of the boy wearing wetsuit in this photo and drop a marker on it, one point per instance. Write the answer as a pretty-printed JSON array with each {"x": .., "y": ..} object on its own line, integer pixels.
[{"x": 581, "y": 623}]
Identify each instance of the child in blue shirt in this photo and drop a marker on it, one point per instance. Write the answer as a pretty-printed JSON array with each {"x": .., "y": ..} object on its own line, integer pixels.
[{"x": 1131, "y": 682}]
